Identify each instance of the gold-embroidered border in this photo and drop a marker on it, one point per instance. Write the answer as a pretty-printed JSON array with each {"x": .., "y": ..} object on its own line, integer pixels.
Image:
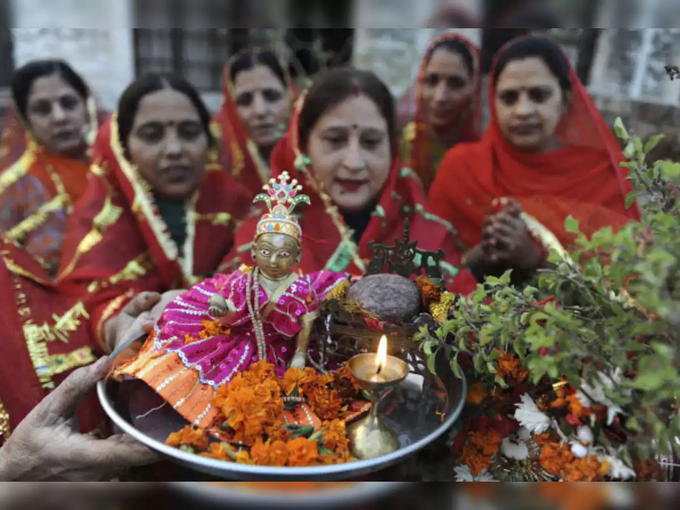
[
  {"x": 5, "y": 424},
  {"x": 60, "y": 363},
  {"x": 108, "y": 215}
]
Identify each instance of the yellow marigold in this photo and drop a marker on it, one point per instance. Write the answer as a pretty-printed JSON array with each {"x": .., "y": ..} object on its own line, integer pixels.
[
  {"x": 271, "y": 453},
  {"x": 474, "y": 459},
  {"x": 476, "y": 395},
  {"x": 555, "y": 457},
  {"x": 189, "y": 436},
  {"x": 335, "y": 435},
  {"x": 586, "y": 469},
  {"x": 510, "y": 368},
  {"x": 302, "y": 452},
  {"x": 576, "y": 407},
  {"x": 295, "y": 379}
]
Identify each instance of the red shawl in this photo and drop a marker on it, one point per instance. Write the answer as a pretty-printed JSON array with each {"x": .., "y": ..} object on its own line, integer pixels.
[
  {"x": 45, "y": 336},
  {"x": 239, "y": 152},
  {"x": 118, "y": 240},
  {"x": 327, "y": 242},
  {"x": 584, "y": 178},
  {"x": 469, "y": 113}
]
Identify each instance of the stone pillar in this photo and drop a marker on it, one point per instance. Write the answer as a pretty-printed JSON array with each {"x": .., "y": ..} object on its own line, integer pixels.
[{"x": 102, "y": 53}]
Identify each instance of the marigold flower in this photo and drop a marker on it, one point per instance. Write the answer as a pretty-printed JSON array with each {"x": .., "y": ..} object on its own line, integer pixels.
[
  {"x": 302, "y": 452},
  {"x": 510, "y": 368},
  {"x": 189, "y": 436},
  {"x": 576, "y": 407},
  {"x": 476, "y": 395},
  {"x": 271, "y": 453},
  {"x": 476, "y": 461},
  {"x": 555, "y": 457},
  {"x": 335, "y": 435}
]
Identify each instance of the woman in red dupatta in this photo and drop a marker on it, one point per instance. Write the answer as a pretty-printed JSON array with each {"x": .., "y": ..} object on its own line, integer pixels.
[
  {"x": 258, "y": 98},
  {"x": 159, "y": 211},
  {"x": 448, "y": 93},
  {"x": 364, "y": 194},
  {"x": 43, "y": 156},
  {"x": 547, "y": 148}
]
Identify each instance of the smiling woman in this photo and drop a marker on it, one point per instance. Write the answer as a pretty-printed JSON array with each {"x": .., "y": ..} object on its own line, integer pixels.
[
  {"x": 342, "y": 144},
  {"x": 43, "y": 157},
  {"x": 159, "y": 210}
]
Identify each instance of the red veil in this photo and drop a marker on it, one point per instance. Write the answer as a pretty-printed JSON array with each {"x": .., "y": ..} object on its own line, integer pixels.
[
  {"x": 469, "y": 124},
  {"x": 327, "y": 242},
  {"x": 584, "y": 178},
  {"x": 45, "y": 336},
  {"x": 240, "y": 154},
  {"x": 117, "y": 243}
]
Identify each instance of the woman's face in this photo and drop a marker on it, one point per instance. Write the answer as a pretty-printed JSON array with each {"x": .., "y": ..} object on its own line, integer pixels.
[
  {"x": 57, "y": 115},
  {"x": 447, "y": 88},
  {"x": 168, "y": 144},
  {"x": 349, "y": 147},
  {"x": 529, "y": 104},
  {"x": 262, "y": 103}
]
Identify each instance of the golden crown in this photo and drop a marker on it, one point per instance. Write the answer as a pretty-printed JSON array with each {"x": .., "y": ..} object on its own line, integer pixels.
[{"x": 281, "y": 198}]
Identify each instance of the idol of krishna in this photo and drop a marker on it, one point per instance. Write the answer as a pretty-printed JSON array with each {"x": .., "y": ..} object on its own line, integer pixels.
[{"x": 225, "y": 325}]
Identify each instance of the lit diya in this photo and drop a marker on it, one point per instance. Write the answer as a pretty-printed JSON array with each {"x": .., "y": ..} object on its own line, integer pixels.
[{"x": 377, "y": 373}]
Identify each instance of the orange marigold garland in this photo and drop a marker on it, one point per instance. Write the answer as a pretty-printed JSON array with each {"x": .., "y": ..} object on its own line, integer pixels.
[{"x": 252, "y": 424}]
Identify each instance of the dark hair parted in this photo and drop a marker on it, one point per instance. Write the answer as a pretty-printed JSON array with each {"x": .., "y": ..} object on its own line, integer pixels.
[
  {"x": 458, "y": 47},
  {"x": 550, "y": 53},
  {"x": 128, "y": 105},
  {"x": 333, "y": 86},
  {"x": 250, "y": 59},
  {"x": 27, "y": 74}
]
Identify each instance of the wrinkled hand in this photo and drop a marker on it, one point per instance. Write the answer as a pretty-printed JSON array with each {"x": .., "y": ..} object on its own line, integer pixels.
[
  {"x": 135, "y": 318},
  {"x": 47, "y": 444},
  {"x": 505, "y": 239},
  {"x": 299, "y": 360}
]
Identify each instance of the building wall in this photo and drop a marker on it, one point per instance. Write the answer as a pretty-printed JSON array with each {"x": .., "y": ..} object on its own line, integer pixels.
[{"x": 103, "y": 53}]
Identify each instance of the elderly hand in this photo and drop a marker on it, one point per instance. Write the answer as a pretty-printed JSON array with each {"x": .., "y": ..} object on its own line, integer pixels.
[
  {"x": 138, "y": 317},
  {"x": 48, "y": 446}
]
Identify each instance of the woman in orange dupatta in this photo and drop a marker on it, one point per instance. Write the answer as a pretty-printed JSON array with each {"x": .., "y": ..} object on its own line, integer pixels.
[
  {"x": 342, "y": 145},
  {"x": 43, "y": 156},
  {"x": 159, "y": 211},
  {"x": 258, "y": 98},
  {"x": 548, "y": 149},
  {"x": 448, "y": 95}
]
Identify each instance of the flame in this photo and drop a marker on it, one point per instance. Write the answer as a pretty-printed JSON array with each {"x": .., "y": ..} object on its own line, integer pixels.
[{"x": 381, "y": 360}]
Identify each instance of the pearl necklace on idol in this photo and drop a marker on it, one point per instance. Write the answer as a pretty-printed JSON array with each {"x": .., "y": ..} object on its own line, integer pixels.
[{"x": 254, "y": 312}]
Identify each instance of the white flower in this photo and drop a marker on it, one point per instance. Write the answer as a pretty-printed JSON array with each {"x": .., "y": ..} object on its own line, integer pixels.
[
  {"x": 579, "y": 450},
  {"x": 463, "y": 474},
  {"x": 585, "y": 435},
  {"x": 530, "y": 416},
  {"x": 597, "y": 393},
  {"x": 617, "y": 469},
  {"x": 514, "y": 450},
  {"x": 523, "y": 434}
]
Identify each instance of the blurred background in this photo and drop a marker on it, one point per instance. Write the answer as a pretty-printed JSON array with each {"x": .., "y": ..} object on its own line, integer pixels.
[
  {"x": 616, "y": 52},
  {"x": 619, "y": 48}
]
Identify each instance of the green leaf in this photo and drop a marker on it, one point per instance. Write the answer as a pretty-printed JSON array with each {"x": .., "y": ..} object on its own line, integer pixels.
[
  {"x": 455, "y": 368},
  {"x": 431, "y": 363},
  {"x": 571, "y": 225},
  {"x": 630, "y": 199},
  {"x": 652, "y": 142},
  {"x": 648, "y": 381},
  {"x": 620, "y": 129}
]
